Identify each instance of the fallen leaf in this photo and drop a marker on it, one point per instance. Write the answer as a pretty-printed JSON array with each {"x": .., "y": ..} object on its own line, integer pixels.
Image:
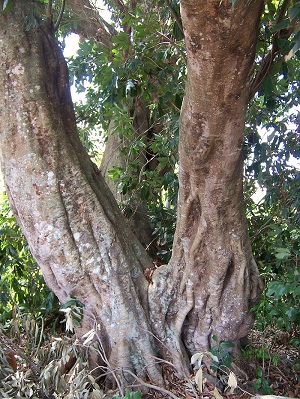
[
  {"x": 217, "y": 394},
  {"x": 199, "y": 379}
]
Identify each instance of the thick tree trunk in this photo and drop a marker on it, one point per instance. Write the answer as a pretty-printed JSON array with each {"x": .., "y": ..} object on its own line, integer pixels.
[
  {"x": 212, "y": 238},
  {"x": 71, "y": 221},
  {"x": 212, "y": 266}
]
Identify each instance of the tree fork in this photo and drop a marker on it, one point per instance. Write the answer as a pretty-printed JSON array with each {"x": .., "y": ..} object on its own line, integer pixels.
[{"x": 72, "y": 223}]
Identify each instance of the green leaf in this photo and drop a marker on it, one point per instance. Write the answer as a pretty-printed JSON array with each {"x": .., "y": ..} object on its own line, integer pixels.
[
  {"x": 121, "y": 41},
  {"x": 282, "y": 253},
  {"x": 295, "y": 12},
  {"x": 136, "y": 395},
  {"x": 145, "y": 192},
  {"x": 71, "y": 303},
  {"x": 215, "y": 338},
  {"x": 277, "y": 288},
  {"x": 267, "y": 86},
  {"x": 281, "y": 25},
  {"x": 285, "y": 45},
  {"x": 227, "y": 344}
]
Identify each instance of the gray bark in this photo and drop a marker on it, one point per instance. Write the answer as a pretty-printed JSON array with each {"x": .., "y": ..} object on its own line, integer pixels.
[{"x": 71, "y": 221}]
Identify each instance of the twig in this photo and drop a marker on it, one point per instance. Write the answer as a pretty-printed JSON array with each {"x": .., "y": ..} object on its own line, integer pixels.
[
  {"x": 267, "y": 61},
  {"x": 9, "y": 343},
  {"x": 49, "y": 13},
  {"x": 263, "y": 227},
  {"x": 175, "y": 15},
  {"x": 61, "y": 13},
  {"x": 150, "y": 386},
  {"x": 106, "y": 361}
]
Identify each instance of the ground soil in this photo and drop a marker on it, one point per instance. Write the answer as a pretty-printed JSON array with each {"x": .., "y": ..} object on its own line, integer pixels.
[{"x": 269, "y": 365}]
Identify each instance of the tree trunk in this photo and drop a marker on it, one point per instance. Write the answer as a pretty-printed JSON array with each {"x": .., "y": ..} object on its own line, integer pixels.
[
  {"x": 72, "y": 223},
  {"x": 212, "y": 249}
]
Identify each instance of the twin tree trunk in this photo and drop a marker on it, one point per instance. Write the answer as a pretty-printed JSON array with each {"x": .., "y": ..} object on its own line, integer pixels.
[{"x": 72, "y": 223}]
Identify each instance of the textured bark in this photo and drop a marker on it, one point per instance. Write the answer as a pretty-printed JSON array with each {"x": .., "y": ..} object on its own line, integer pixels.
[
  {"x": 212, "y": 232},
  {"x": 212, "y": 266},
  {"x": 71, "y": 221},
  {"x": 74, "y": 228}
]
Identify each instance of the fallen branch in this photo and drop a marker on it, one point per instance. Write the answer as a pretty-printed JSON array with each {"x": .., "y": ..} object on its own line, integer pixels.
[{"x": 13, "y": 348}]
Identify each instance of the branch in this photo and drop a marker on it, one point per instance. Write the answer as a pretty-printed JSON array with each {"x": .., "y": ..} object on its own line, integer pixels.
[
  {"x": 49, "y": 13},
  {"x": 7, "y": 342},
  {"x": 120, "y": 5},
  {"x": 61, "y": 13},
  {"x": 90, "y": 23},
  {"x": 175, "y": 15},
  {"x": 268, "y": 59}
]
